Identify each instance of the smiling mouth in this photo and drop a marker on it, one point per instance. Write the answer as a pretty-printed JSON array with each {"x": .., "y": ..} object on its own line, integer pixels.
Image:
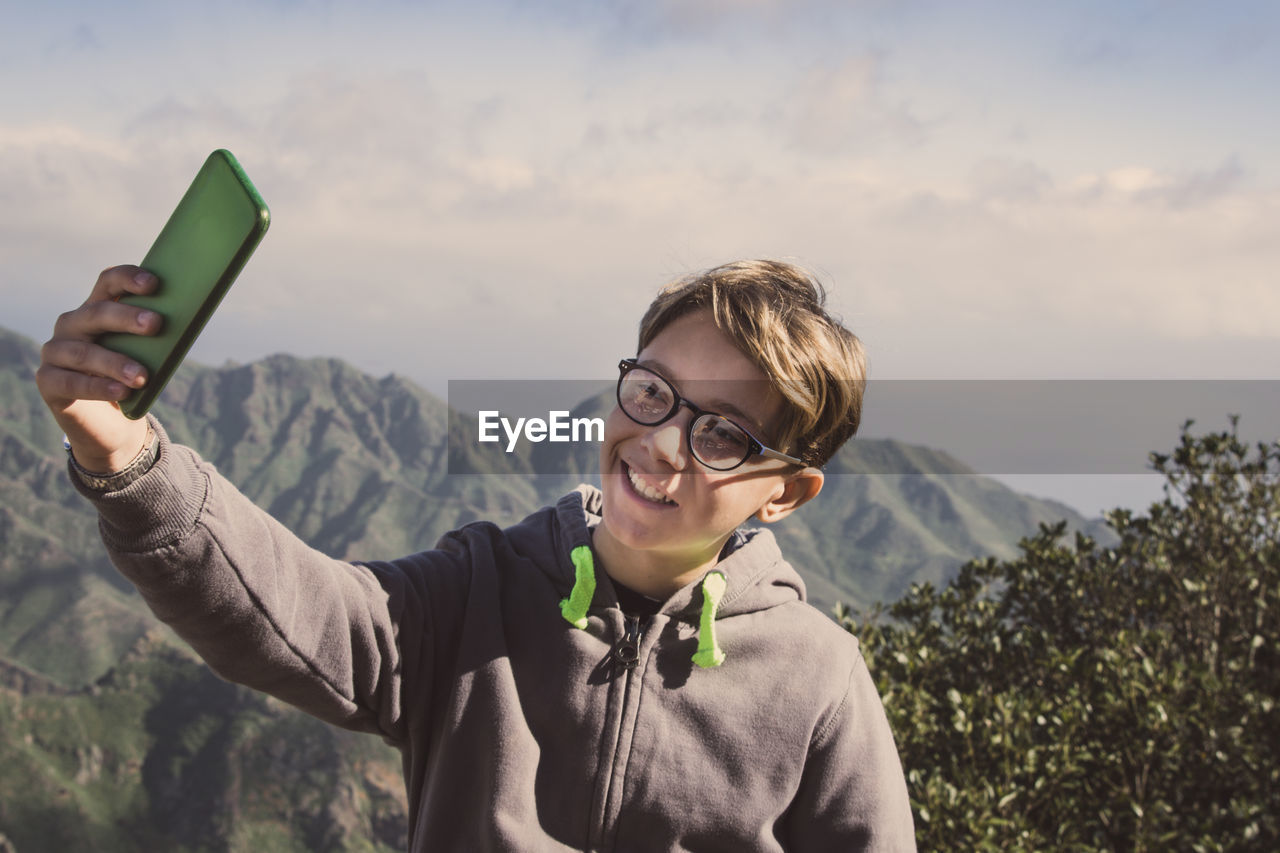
[{"x": 644, "y": 490}]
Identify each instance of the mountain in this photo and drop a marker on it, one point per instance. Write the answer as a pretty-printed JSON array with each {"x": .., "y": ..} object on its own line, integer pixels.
[
  {"x": 111, "y": 737},
  {"x": 360, "y": 467},
  {"x": 160, "y": 754}
]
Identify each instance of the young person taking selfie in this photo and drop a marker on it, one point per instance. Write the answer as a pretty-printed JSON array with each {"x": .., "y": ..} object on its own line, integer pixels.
[{"x": 632, "y": 669}]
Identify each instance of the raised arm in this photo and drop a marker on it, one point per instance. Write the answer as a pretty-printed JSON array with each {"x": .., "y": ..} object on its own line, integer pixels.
[{"x": 258, "y": 604}]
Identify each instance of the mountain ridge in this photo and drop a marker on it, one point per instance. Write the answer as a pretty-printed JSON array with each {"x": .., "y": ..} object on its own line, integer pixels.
[
  {"x": 359, "y": 467},
  {"x": 112, "y": 735}
]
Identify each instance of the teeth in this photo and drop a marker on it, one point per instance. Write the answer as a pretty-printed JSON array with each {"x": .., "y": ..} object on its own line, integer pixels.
[{"x": 646, "y": 490}]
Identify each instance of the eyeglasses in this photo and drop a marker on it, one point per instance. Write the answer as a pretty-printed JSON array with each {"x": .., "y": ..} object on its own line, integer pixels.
[{"x": 715, "y": 441}]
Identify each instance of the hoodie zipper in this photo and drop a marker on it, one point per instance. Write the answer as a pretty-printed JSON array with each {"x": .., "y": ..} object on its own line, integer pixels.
[
  {"x": 626, "y": 657},
  {"x": 627, "y": 652}
]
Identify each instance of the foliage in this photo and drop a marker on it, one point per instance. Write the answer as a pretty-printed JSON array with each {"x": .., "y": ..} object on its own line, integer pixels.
[{"x": 1082, "y": 697}]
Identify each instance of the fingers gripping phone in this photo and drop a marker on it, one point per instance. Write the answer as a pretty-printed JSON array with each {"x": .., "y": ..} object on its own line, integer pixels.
[{"x": 200, "y": 251}]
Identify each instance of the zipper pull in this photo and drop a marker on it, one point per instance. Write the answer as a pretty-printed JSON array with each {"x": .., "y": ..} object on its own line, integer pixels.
[{"x": 627, "y": 651}]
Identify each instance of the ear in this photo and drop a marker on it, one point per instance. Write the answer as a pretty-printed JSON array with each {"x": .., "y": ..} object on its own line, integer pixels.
[{"x": 797, "y": 490}]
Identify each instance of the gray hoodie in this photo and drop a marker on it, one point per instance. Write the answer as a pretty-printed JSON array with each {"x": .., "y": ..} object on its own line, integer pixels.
[{"x": 531, "y": 713}]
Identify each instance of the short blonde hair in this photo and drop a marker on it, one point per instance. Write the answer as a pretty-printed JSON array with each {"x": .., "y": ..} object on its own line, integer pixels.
[{"x": 773, "y": 311}]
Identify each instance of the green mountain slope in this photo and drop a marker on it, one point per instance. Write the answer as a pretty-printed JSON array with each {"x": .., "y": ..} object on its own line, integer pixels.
[{"x": 160, "y": 754}]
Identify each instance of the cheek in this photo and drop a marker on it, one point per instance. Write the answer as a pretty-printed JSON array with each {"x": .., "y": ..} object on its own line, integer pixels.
[
  {"x": 738, "y": 496},
  {"x": 615, "y": 429}
]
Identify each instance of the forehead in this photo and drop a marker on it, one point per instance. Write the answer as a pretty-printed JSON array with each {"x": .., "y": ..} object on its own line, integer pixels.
[{"x": 712, "y": 373}]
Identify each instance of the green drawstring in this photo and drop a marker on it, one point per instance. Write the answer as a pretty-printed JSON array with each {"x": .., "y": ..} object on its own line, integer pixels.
[
  {"x": 574, "y": 608},
  {"x": 709, "y": 653}
]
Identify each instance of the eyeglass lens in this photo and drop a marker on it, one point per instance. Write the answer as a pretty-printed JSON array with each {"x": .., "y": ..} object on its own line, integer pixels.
[{"x": 648, "y": 399}]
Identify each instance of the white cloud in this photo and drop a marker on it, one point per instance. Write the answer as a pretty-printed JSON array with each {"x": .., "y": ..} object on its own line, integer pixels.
[
  {"x": 842, "y": 110},
  {"x": 633, "y": 20},
  {"x": 56, "y": 178},
  {"x": 1005, "y": 179},
  {"x": 1180, "y": 189},
  {"x": 428, "y": 206}
]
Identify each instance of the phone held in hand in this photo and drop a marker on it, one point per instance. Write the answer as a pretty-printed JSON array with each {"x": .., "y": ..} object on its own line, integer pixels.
[{"x": 200, "y": 251}]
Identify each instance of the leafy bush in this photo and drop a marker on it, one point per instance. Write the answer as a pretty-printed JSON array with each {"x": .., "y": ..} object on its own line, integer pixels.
[{"x": 1119, "y": 698}]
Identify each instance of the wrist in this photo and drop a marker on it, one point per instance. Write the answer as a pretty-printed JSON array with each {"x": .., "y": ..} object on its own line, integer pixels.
[
  {"x": 103, "y": 447},
  {"x": 117, "y": 470}
]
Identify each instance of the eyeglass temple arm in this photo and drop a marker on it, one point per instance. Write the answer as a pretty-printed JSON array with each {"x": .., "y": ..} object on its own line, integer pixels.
[{"x": 770, "y": 453}]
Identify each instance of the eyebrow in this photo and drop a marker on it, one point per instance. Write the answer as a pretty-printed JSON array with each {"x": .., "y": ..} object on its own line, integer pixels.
[{"x": 716, "y": 406}]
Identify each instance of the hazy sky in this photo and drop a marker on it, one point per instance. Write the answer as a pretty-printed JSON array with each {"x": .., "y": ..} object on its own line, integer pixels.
[{"x": 1085, "y": 190}]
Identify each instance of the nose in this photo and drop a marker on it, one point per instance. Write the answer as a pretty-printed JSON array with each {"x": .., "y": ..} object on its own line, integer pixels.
[{"x": 666, "y": 441}]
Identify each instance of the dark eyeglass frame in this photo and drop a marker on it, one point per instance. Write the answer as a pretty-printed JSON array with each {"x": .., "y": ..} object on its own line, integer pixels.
[{"x": 754, "y": 445}]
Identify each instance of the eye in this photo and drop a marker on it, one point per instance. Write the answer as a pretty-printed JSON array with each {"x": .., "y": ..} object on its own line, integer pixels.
[
  {"x": 720, "y": 439},
  {"x": 646, "y": 395},
  {"x": 650, "y": 391}
]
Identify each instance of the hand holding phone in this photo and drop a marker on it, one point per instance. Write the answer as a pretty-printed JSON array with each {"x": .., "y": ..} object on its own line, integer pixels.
[{"x": 198, "y": 254}]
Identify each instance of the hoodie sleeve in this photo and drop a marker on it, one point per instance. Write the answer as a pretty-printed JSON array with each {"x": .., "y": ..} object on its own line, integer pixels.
[
  {"x": 259, "y": 605},
  {"x": 853, "y": 795}
]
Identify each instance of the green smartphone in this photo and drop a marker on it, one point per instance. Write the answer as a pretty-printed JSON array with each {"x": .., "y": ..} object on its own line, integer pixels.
[{"x": 199, "y": 253}]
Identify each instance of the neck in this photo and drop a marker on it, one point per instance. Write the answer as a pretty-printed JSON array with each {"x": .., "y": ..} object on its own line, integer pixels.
[{"x": 655, "y": 574}]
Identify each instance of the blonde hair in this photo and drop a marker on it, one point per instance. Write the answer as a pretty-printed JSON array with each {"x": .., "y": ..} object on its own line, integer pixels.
[{"x": 773, "y": 311}]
